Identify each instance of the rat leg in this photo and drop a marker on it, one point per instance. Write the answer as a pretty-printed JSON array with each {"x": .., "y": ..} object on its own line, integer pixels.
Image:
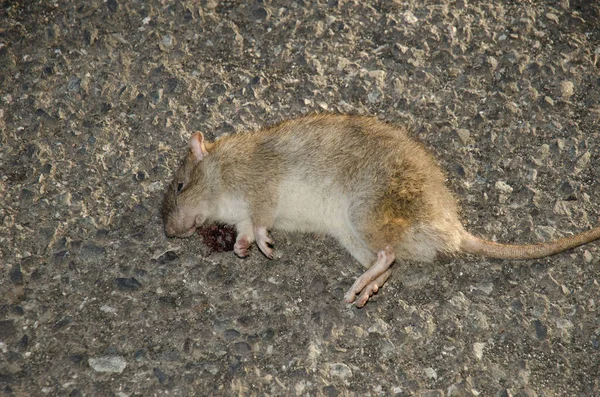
[
  {"x": 263, "y": 217},
  {"x": 370, "y": 281},
  {"x": 357, "y": 248},
  {"x": 245, "y": 237}
]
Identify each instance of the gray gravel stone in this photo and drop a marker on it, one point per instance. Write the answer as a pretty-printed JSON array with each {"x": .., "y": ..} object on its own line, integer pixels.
[{"x": 114, "y": 364}]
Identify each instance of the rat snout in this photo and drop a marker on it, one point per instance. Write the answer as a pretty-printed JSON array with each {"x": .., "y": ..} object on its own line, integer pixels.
[
  {"x": 170, "y": 230},
  {"x": 180, "y": 225}
]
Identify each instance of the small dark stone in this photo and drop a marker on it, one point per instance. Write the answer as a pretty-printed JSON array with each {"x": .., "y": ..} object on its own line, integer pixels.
[
  {"x": 36, "y": 275},
  {"x": 317, "y": 286},
  {"x": 541, "y": 331},
  {"x": 75, "y": 393},
  {"x": 92, "y": 252},
  {"x": 113, "y": 5},
  {"x": 139, "y": 209},
  {"x": 128, "y": 284},
  {"x": 245, "y": 321},
  {"x": 24, "y": 341},
  {"x": 503, "y": 393},
  {"x": 139, "y": 355},
  {"x": 168, "y": 256},
  {"x": 516, "y": 305},
  {"x": 76, "y": 358},
  {"x": 231, "y": 334},
  {"x": 256, "y": 80},
  {"x": 568, "y": 190},
  {"x": 140, "y": 176},
  {"x": 299, "y": 373},
  {"x": 51, "y": 32},
  {"x": 18, "y": 310},
  {"x": 330, "y": 391},
  {"x": 26, "y": 195},
  {"x": 268, "y": 334},
  {"x": 42, "y": 113},
  {"x": 168, "y": 301},
  {"x": 15, "y": 274},
  {"x": 458, "y": 169},
  {"x": 74, "y": 84},
  {"x": 187, "y": 345},
  {"x": 90, "y": 36},
  {"x": 13, "y": 356},
  {"x": 234, "y": 367},
  {"x": 106, "y": 107},
  {"x": 242, "y": 348},
  {"x": 171, "y": 85},
  {"x": 260, "y": 13},
  {"x": 61, "y": 255},
  {"x": 102, "y": 233},
  {"x": 7, "y": 329},
  {"x": 160, "y": 375},
  {"x": 218, "y": 89},
  {"x": 252, "y": 339}
]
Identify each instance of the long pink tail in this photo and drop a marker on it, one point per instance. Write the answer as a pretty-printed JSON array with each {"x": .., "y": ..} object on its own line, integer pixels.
[{"x": 475, "y": 245}]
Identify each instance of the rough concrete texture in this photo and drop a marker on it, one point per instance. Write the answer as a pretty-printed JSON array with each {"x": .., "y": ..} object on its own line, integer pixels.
[{"x": 97, "y": 101}]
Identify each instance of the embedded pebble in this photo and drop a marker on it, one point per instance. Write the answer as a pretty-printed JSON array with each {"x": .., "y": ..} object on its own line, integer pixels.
[
  {"x": 340, "y": 370},
  {"x": 431, "y": 373},
  {"x": 566, "y": 89},
  {"x": 478, "y": 350},
  {"x": 114, "y": 364},
  {"x": 503, "y": 187}
]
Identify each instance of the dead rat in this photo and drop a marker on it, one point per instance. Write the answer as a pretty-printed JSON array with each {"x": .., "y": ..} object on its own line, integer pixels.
[{"x": 364, "y": 182}]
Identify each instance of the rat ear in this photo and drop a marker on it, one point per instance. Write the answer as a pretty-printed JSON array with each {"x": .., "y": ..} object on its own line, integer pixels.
[{"x": 199, "y": 146}]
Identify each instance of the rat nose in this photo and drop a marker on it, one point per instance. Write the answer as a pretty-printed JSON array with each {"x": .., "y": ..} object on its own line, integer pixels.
[{"x": 169, "y": 228}]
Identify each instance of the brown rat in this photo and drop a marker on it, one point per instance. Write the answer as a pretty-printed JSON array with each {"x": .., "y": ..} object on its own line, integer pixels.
[{"x": 364, "y": 182}]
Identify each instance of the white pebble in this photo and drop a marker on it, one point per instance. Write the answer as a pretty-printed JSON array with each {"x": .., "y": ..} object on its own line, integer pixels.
[{"x": 114, "y": 364}]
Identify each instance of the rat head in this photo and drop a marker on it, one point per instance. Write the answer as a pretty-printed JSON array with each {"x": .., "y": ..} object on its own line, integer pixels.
[{"x": 187, "y": 200}]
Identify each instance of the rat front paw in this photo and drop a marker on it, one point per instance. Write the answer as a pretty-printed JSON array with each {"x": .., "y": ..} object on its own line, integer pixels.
[
  {"x": 241, "y": 247},
  {"x": 263, "y": 241}
]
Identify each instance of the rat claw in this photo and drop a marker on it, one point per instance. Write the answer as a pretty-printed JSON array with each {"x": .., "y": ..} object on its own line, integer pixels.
[
  {"x": 367, "y": 293},
  {"x": 362, "y": 300},
  {"x": 349, "y": 297},
  {"x": 263, "y": 241}
]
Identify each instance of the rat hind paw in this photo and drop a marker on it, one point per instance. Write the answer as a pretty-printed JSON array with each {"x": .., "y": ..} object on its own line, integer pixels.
[
  {"x": 371, "y": 280},
  {"x": 372, "y": 288},
  {"x": 264, "y": 242}
]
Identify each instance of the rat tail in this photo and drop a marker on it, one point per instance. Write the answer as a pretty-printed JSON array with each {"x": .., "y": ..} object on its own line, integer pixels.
[{"x": 490, "y": 249}]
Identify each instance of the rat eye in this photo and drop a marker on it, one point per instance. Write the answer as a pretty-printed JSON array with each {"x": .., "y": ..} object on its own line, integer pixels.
[{"x": 179, "y": 187}]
